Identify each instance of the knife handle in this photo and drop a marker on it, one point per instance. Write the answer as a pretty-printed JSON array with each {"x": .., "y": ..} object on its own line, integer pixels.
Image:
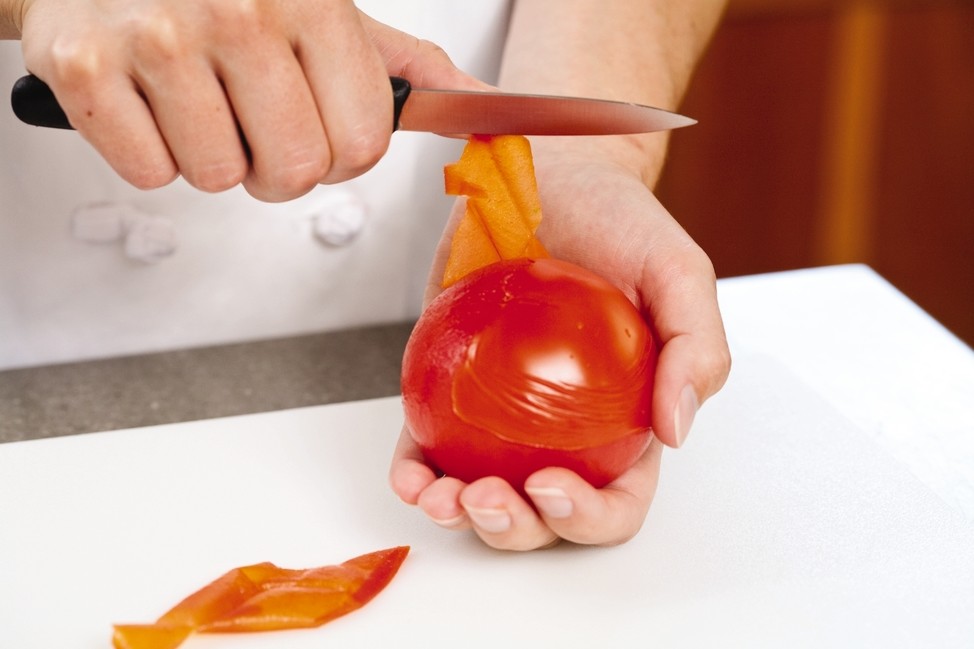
[
  {"x": 35, "y": 104},
  {"x": 400, "y": 93}
]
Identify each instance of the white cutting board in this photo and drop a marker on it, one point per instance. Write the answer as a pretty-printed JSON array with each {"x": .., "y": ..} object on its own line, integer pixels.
[{"x": 779, "y": 524}]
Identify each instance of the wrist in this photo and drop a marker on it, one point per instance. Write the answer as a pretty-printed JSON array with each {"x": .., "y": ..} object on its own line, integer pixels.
[{"x": 640, "y": 156}]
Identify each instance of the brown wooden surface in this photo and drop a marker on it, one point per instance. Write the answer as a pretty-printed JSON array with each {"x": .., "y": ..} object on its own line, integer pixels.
[
  {"x": 836, "y": 132},
  {"x": 926, "y": 164}
]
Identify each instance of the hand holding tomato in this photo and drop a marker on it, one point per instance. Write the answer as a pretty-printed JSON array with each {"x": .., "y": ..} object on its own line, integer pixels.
[
  {"x": 525, "y": 364},
  {"x": 600, "y": 216}
]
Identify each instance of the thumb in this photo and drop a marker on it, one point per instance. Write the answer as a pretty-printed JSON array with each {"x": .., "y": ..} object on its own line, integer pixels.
[{"x": 424, "y": 63}]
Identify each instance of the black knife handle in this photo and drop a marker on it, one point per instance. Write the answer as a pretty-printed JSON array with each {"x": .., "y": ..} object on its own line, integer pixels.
[
  {"x": 35, "y": 104},
  {"x": 400, "y": 93}
]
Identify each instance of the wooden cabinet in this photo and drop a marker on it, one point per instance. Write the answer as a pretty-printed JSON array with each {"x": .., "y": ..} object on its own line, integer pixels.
[{"x": 833, "y": 132}]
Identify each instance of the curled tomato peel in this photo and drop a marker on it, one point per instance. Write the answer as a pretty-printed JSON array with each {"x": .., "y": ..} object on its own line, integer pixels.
[{"x": 503, "y": 209}]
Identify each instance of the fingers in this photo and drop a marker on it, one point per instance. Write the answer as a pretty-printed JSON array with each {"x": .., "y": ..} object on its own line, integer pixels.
[
  {"x": 276, "y": 96},
  {"x": 424, "y": 63},
  {"x": 647, "y": 252},
  {"x": 575, "y": 511},
  {"x": 416, "y": 484},
  {"x": 441, "y": 503},
  {"x": 409, "y": 475},
  {"x": 176, "y": 84},
  {"x": 694, "y": 361},
  {"x": 490, "y": 506},
  {"x": 103, "y": 104},
  {"x": 561, "y": 506},
  {"x": 274, "y": 109},
  {"x": 349, "y": 85},
  {"x": 502, "y": 519}
]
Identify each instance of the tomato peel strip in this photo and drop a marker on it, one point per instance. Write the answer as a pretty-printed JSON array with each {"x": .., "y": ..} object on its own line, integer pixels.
[
  {"x": 265, "y": 597},
  {"x": 503, "y": 210}
]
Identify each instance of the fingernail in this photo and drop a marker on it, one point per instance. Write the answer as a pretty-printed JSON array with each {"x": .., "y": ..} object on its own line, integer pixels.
[
  {"x": 683, "y": 414},
  {"x": 552, "y": 501},
  {"x": 494, "y": 521},
  {"x": 449, "y": 522}
]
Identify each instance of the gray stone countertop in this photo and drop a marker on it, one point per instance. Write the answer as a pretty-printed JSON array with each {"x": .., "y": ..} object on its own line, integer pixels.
[{"x": 201, "y": 383}]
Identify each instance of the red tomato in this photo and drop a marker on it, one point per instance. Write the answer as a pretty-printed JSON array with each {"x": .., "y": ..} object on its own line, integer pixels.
[{"x": 526, "y": 364}]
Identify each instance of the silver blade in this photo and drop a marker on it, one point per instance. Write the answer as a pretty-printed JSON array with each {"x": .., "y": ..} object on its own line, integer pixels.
[{"x": 451, "y": 112}]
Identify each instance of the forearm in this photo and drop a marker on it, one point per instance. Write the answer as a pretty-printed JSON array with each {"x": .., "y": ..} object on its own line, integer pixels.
[
  {"x": 10, "y": 19},
  {"x": 642, "y": 51}
]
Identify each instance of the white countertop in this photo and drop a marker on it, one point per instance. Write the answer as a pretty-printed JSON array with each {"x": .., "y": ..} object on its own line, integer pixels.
[
  {"x": 824, "y": 498},
  {"x": 875, "y": 356}
]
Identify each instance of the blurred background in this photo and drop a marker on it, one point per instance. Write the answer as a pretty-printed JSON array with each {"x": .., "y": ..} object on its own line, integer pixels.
[{"x": 836, "y": 131}]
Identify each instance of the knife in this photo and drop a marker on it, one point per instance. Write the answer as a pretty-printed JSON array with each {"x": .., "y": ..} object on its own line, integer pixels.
[{"x": 448, "y": 112}]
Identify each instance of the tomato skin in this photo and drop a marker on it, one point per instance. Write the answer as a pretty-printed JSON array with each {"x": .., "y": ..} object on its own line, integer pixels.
[{"x": 526, "y": 364}]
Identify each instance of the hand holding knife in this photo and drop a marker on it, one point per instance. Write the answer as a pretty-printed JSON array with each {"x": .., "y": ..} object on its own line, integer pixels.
[{"x": 444, "y": 111}]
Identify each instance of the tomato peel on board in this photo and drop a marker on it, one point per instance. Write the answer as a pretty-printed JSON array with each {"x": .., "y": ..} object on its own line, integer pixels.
[
  {"x": 524, "y": 361},
  {"x": 264, "y": 597}
]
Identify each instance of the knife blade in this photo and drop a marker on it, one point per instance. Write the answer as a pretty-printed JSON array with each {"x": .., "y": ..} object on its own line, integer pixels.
[
  {"x": 448, "y": 112},
  {"x": 453, "y": 112}
]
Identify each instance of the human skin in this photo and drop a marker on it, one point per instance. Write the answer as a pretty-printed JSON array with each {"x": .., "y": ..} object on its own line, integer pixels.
[
  {"x": 305, "y": 83},
  {"x": 600, "y": 212},
  {"x": 127, "y": 72}
]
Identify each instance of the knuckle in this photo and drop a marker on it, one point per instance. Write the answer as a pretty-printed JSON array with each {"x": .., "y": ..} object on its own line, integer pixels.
[
  {"x": 419, "y": 59},
  {"x": 236, "y": 16},
  {"x": 157, "y": 37},
  {"x": 278, "y": 187},
  {"x": 216, "y": 177},
  {"x": 297, "y": 179},
  {"x": 609, "y": 528},
  {"x": 428, "y": 55},
  {"x": 360, "y": 152},
  {"x": 689, "y": 269},
  {"x": 267, "y": 194},
  {"x": 426, "y": 48},
  {"x": 720, "y": 366},
  {"x": 689, "y": 273},
  {"x": 290, "y": 172},
  {"x": 77, "y": 62},
  {"x": 695, "y": 265},
  {"x": 150, "y": 176},
  {"x": 699, "y": 269}
]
